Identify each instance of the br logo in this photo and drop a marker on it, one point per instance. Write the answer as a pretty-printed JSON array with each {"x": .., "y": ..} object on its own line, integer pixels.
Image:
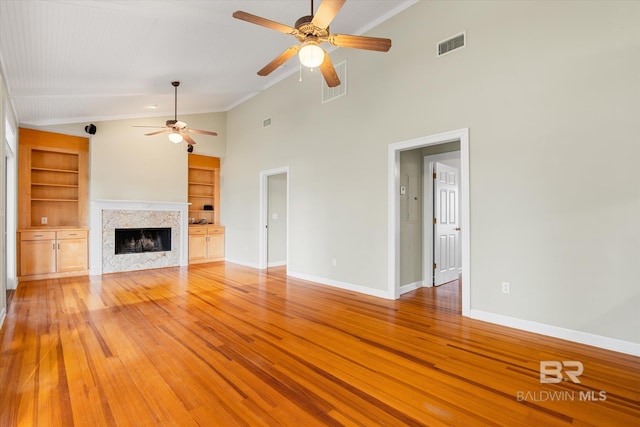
[{"x": 553, "y": 371}]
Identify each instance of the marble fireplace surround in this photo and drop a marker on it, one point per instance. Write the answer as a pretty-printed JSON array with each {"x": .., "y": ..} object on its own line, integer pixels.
[{"x": 106, "y": 215}]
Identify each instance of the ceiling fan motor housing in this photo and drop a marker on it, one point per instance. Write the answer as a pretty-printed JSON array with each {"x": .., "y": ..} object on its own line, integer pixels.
[{"x": 306, "y": 28}]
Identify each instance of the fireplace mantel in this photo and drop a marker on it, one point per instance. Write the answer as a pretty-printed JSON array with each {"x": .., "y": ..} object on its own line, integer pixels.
[{"x": 97, "y": 227}]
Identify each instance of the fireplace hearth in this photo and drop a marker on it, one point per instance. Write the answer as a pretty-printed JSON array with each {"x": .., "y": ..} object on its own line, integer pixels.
[{"x": 138, "y": 240}]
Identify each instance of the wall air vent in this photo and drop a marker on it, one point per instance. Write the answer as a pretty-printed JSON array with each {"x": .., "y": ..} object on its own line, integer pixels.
[
  {"x": 331, "y": 93},
  {"x": 454, "y": 43},
  {"x": 266, "y": 122}
]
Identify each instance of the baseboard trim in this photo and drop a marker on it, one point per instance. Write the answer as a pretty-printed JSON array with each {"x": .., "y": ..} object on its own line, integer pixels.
[
  {"x": 276, "y": 264},
  {"x": 599, "y": 341},
  {"x": 411, "y": 287},
  {"x": 342, "y": 285},
  {"x": 241, "y": 262}
]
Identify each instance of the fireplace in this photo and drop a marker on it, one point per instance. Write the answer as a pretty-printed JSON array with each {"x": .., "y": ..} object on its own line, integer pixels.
[
  {"x": 107, "y": 216},
  {"x": 137, "y": 240}
]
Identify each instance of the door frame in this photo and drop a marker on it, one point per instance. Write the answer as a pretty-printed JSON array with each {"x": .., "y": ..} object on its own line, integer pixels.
[
  {"x": 263, "y": 241},
  {"x": 393, "y": 279},
  {"x": 428, "y": 211}
]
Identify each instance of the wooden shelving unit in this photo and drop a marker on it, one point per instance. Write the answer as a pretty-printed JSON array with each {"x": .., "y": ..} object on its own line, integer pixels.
[
  {"x": 54, "y": 187},
  {"x": 53, "y": 205},
  {"x": 206, "y": 241},
  {"x": 204, "y": 188}
]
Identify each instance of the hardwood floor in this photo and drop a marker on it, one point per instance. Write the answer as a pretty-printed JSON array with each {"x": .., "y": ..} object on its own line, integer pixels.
[{"x": 224, "y": 345}]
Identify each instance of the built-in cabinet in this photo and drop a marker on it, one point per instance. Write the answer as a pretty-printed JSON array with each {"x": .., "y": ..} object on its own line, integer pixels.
[
  {"x": 53, "y": 201},
  {"x": 45, "y": 252},
  {"x": 206, "y": 244},
  {"x": 206, "y": 235}
]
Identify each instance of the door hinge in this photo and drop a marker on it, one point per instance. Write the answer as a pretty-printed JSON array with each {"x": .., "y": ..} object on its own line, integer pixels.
[
  {"x": 435, "y": 221},
  {"x": 434, "y": 266},
  {"x": 435, "y": 175}
]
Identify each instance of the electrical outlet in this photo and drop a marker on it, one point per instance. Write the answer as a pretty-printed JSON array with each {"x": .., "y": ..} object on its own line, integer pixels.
[
  {"x": 44, "y": 220},
  {"x": 506, "y": 287},
  {"x": 334, "y": 262}
]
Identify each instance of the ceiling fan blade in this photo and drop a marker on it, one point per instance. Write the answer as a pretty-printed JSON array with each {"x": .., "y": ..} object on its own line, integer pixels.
[
  {"x": 187, "y": 138},
  {"x": 281, "y": 59},
  {"x": 244, "y": 16},
  {"x": 203, "y": 132},
  {"x": 159, "y": 132},
  {"x": 327, "y": 10},
  {"x": 360, "y": 42},
  {"x": 329, "y": 72}
]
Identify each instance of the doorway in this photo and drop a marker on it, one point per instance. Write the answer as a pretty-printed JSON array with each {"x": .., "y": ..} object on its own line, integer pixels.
[
  {"x": 274, "y": 217},
  {"x": 460, "y": 136}
]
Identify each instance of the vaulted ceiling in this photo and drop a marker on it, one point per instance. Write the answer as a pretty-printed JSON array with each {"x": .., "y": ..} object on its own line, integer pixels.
[{"x": 71, "y": 61}]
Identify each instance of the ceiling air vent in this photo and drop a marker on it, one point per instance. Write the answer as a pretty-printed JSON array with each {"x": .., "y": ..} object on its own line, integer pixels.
[
  {"x": 331, "y": 93},
  {"x": 266, "y": 122},
  {"x": 454, "y": 43}
]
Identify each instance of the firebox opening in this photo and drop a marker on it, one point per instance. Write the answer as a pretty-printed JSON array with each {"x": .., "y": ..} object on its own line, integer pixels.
[{"x": 136, "y": 240}]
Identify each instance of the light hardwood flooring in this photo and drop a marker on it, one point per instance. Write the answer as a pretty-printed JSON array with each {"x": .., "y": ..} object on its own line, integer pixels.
[{"x": 225, "y": 345}]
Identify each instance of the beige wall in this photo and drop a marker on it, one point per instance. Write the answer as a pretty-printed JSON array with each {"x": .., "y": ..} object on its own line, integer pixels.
[
  {"x": 411, "y": 219},
  {"x": 277, "y": 226},
  {"x": 127, "y": 165},
  {"x": 549, "y": 92}
]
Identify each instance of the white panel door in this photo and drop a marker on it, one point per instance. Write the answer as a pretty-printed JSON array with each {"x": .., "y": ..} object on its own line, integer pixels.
[{"x": 445, "y": 229}]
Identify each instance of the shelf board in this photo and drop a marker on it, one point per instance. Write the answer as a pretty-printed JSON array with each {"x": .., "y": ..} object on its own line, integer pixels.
[
  {"x": 200, "y": 196},
  {"x": 54, "y": 170},
  {"x": 54, "y": 200},
  {"x": 200, "y": 210},
  {"x": 207, "y": 184},
  {"x": 44, "y": 184}
]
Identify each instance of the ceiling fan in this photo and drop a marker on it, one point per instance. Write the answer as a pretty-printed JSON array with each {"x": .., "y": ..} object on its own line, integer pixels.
[
  {"x": 311, "y": 31},
  {"x": 177, "y": 130}
]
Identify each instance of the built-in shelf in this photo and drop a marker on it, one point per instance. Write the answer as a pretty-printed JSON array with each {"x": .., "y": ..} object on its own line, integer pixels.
[
  {"x": 202, "y": 183},
  {"x": 54, "y": 170},
  {"x": 53, "y": 204},
  {"x": 203, "y": 188}
]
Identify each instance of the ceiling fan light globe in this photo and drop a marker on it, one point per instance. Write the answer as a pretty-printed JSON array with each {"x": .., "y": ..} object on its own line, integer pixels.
[
  {"x": 311, "y": 55},
  {"x": 176, "y": 138}
]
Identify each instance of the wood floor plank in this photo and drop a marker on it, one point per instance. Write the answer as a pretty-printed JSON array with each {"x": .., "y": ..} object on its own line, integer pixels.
[{"x": 225, "y": 345}]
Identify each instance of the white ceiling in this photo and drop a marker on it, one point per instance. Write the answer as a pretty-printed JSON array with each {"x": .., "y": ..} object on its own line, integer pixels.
[{"x": 72, "y": 61}]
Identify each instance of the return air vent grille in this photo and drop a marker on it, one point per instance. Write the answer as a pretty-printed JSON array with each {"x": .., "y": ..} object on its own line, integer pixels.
[
  {"x": 454, "y": 43},
  {"x": 331, "y": 93}
]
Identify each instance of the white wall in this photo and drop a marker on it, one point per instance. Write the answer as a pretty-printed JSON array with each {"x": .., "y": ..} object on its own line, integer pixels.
[{"x": 549, "y": 92}]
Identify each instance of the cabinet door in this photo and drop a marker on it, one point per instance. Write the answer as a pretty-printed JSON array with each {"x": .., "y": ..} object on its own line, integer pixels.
[
  {"x": 72, "y": 255},
  {"x": 215, "y": 247},
  {"x": 37, "y": 257},
  {"x": 197, "y": 246}
]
